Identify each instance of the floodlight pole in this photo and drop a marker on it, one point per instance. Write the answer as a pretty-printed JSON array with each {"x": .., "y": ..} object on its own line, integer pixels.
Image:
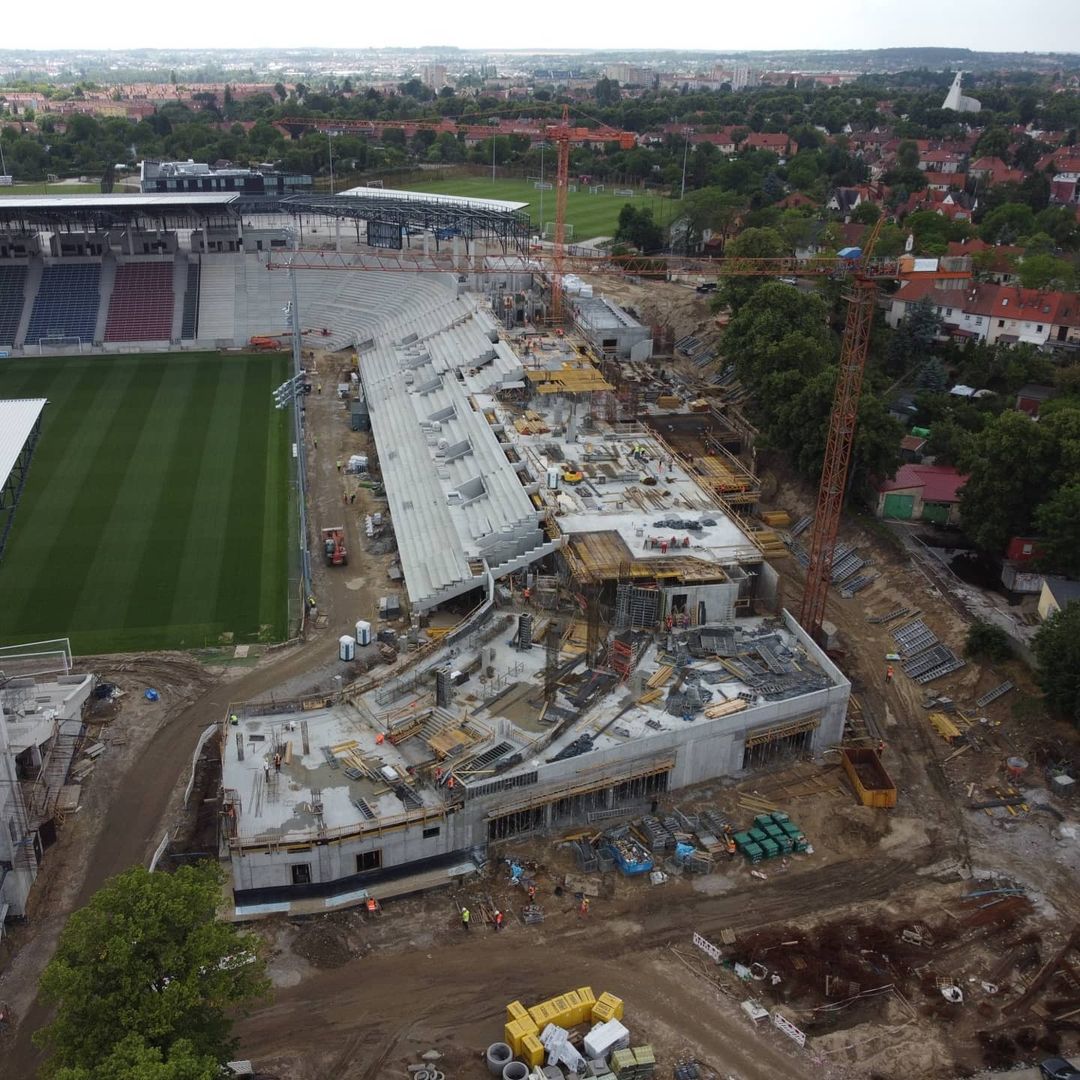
[
  {"x": 330, "y": 144},
  {"x": 686, "y": 148},
  {"x": 298, "y": 437},
  {"x": 542, "y": 145}
]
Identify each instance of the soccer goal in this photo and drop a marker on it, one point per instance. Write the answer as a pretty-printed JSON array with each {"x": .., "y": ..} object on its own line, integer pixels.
[
  {"x": 542, "y": 185},
  {"x": 549, "y": 231},
  {"x": 60, "y": 341},
  {"x": 623, "y": 192},
  {"x": 595, "y": 189}
]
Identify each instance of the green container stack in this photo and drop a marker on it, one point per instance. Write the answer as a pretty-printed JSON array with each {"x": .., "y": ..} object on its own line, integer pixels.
[{"x": 771, "y": 835}]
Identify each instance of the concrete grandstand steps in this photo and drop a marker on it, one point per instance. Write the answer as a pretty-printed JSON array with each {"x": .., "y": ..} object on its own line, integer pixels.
[
  {"x": 105, "y": 290},
  {"x": 217, "y": 299},
  {"x": 30, "y": 291},
  {"x": 267, "y": 294},
  {"x": 189, "y": 319},
  {"x": 180, "y": 280}
]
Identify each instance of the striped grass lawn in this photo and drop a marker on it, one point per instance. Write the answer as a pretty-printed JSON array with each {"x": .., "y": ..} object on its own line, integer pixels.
[
  {"x": 156, "y": 511},
  {"x": 591, "y": 215}
]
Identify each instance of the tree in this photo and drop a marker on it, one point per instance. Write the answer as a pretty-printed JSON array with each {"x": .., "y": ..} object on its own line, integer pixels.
[
  {"x": 1046, "y": 272},
  {"x": 987, "y": 641},
  {"x": 1007, "y": 223},
  {"x": 147, "y": 969},
  {"x": 606, "y": 91},
  {"x": 993, "y": 142},
  {"x": 1057, "y": 652},
  {"x": 751, "y": 243},
  {"x": 1055, "y": 525},
  {"x": 710, "y": 209},
  {"x": 132, "y": 1058},
  {"x": 1010, "y": 462},
  {"x": 637, "y": 227},
  {"x": 866, "y": 213},
  {"x": 911, "y": 341},
  {"x": 279, "y": 89},
  {"x": 932, "y": 376}
]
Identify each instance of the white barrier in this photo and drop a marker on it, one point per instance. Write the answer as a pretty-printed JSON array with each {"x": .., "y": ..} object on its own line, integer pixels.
[
  {"x": 156, "y": 857},
  {"x": 707, "y": 947},
  {"x": 788, "y": 1028},
  {"x": 212, "y": 729}
]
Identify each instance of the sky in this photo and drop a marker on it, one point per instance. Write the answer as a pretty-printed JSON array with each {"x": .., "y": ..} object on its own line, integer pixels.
[{"x": 707, "y": 25}]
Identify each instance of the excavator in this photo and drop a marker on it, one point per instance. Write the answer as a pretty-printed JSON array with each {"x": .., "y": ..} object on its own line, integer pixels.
[{"x": 334, "y": 546}]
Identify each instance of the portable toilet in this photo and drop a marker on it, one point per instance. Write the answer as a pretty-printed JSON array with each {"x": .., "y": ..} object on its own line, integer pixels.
[
  {"x": 346, "y": 647},
  {"x": 554, "y": 478},
  {"x": 363, "y": 632}
]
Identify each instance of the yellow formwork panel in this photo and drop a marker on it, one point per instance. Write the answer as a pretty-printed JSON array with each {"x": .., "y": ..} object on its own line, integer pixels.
[
  {"x": 532, "y": 1051},
  {"x": 515, "y": 1032},
  {"x": 577, "y": 1013},
  {"x": 613, "y": 1004},
  {"x": 516, "y": 1011}
]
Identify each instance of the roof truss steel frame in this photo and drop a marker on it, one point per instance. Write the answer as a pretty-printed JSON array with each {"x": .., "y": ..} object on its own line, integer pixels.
[
  {"x": 13, "y": 484},
  {"x": 511, "y": 228},
  {"x": 166, "y": 219}
]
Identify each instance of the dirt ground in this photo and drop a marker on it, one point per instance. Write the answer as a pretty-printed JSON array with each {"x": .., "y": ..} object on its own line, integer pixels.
[{"x": 363, "y": 997}]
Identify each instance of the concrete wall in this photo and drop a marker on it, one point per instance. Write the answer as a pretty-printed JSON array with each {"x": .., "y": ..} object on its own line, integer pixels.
[{"x": 702, "y": 750}]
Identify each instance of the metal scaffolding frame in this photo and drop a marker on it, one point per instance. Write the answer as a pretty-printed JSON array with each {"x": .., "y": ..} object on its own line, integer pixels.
[
  {"x": 12, "y": 485},
  {"x": 510, "y": 228}
]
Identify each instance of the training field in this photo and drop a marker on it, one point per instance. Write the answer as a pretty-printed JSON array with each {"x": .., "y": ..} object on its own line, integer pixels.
[
  {"x": 591, "y": 215},
  {"x": 156, "y": 510}
]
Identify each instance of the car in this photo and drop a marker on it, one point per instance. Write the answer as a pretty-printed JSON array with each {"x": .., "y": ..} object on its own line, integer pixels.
[
  {"x": 1058, "y": 1069},
  {"x": 707, "y": 287}
]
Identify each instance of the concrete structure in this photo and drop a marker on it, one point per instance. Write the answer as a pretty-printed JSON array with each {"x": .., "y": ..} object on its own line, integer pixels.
[
  {"x": 610, "y": 330},
  {"x": 1057, "y": 593},
  {"x": 956, "y": 101},
  {"x": 40, "y": 728},
  {"x": 922, "y": 493},
  {"x": 364, "y": 805}
]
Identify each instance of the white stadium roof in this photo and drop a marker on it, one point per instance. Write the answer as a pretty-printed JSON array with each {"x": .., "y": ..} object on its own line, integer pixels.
[
  {"x": 17, "y": 419},
  {"x": 430, "y": 197}
]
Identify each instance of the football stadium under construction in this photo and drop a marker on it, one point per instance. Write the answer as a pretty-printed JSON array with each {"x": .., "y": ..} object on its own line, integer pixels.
[{"x": 609, "y": 625}]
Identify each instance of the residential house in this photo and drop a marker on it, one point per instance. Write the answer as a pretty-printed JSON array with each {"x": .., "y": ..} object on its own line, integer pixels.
[
  {"x": 1057, "y": 593},
  {"x": 941, "y": 161},
  {"x": 912, "y": 448},
  {"x": 796, "y": 201},
  {"x": 922, "y": 493},
  {"x": 780, "y": 144},
  {"x": 1019, "y": 315},
  {"x": 992, "y": 170},
  {"x": 954, "y": 181},
  {"x": 1031, "y": 396}
]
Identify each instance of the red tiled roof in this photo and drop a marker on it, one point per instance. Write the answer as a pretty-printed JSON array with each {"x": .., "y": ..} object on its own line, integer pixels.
[{"x": 939, "y": 483}]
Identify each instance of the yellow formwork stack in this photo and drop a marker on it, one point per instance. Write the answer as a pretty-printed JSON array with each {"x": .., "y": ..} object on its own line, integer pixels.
[
  {"x": 607, "y": 1007},
  {"x": 515, "y": 1033},
  {"x": 516, "y": 1011},
  {"x": 588, "y": 1000},
  {"x": 532, "y": 1051}
]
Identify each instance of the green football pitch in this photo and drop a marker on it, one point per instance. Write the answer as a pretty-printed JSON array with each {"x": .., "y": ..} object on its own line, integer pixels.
[
  {"x": 590, "y": 215},
  {"x": 156, "y": 510}
]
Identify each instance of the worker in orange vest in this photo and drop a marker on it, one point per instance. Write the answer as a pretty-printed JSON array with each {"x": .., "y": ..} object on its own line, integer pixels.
[
  {"x": 498, "y": 920},
  {"x": 889, "y": 673},
  {"x": 532, "y": 893},
  {"x": 450, "y": 782},
  {"x": 583, "y": 910}
]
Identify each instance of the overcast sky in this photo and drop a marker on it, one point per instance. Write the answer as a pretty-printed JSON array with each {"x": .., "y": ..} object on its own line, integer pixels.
[{"x": 720, "y": 25}]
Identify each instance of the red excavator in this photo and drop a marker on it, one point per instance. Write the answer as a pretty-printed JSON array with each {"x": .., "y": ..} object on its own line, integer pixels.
[{"x": 334, "y": 546}]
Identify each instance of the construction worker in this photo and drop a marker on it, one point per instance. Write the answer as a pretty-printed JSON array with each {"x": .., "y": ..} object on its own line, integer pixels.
[
  {"x": 319, "y": 388},
  {"x": 881, "y": 746},
  {"x": 438, "y": 774},
  {"x": 498, "y": 921},
  {"x": 450, "y": 781},
  {"x": 465, "y": 917},
  {"x": 277, "y": 763},
  {"x": 234, "y": 720},
  {"x": 583, "y": 907},
  {"x": 527, "y": 594},
  {"x": 339, "y": 464},
  {"x": 889, "y": 673},
  {"x": 532, "y": 893},
  {"x": 315, "y": 442}
]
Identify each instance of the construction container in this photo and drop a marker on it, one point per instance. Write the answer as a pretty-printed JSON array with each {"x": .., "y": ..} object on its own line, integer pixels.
[
  {"x": 770, "y": 848},
  {"x": 516, "y": 1011},
  {"x": 779, "y": 817},
  {"x": 346, "y": 648},
  {"x": 872, "y": 784},
  {"x": 623, "y": 1064},
  {"x": 757, "y": 835},
  {"x": 763, "y": 821},
  {"x": 532, "y": 1051},
  {"x": 515, "y": 1032},
  {"x": 588, "y": 1000},
  {"x": 363, "y": 632},
  {"x": 612, "y": 1003},
  {"x": 753, "y": 852}
]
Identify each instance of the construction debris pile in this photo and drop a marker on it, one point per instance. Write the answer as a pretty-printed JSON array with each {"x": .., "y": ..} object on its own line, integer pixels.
[{"x": 577, "y": 1033}]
